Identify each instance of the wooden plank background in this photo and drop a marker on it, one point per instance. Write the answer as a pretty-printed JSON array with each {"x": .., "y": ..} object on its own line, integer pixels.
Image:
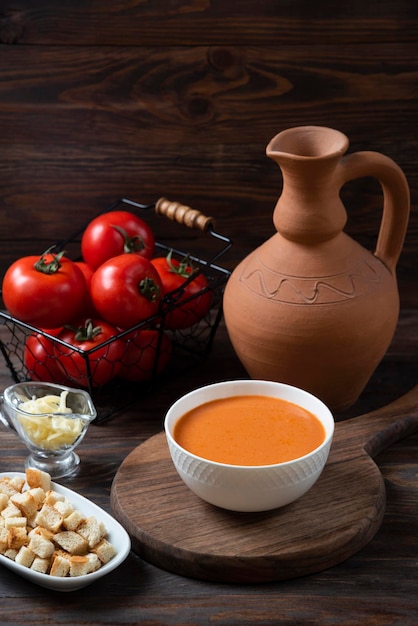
[{"x": 141, "y": 99}]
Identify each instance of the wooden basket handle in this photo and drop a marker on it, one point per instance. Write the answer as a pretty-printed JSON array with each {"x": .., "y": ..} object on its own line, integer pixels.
[{"x": 183, "y": 214}]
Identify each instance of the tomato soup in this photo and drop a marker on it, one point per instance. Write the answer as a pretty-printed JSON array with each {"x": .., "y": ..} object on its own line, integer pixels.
[{"x": 249, "y": 430}]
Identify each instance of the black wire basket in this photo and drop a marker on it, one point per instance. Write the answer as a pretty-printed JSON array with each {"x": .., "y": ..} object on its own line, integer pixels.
[{"x": 188, "y": 346}]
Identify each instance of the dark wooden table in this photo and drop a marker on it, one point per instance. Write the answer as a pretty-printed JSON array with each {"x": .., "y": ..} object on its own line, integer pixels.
[
  {"x": 100, "y": 100},
  {"x": 378, "y": 585}
]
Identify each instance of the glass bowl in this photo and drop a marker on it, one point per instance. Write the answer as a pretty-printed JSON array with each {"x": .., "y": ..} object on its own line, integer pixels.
[{"x": 51, "y": 420}]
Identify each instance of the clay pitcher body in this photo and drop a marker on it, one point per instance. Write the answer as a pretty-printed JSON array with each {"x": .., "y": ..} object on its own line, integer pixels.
[{"x": 311, "y": 307}]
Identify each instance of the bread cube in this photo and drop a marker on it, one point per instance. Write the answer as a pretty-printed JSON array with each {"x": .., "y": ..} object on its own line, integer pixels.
[
  {"x": 11, "y": 553},
  {"x": 16, "y": 537},
  {"x": 25, "y": 556},
  {"x": 94, "y": 562},
  {"x": 60, "y": 566},
  {"x": 79, "y": 566},
  {"x": 26, "y": 503},
  {"x": 49, "y": 518},
  {"x": 44, "y": 532},
  {"x": 104, "y": 550},
  {"x": 73, "y": 520},
  {"x": 11, "y": 510},
  {"x": 72, "y": 542},
  {"x": 32, "y": 521},
  {"x": 52, "y": 497},
  {"x": 4, "y": 501},
  {"x": 39, "y": 494},
  {"x": 15, "y": 522},
  {"x": 40, "y": 565},
  {"x": 38, "y": 478},
  {"x": 64, "y": 507},
  {"x": 41, "y": 546},
  {"x": 17, "y": 482},
  {"x": 92, "y": 530},
  {"x": 63, "y": 553},
  {"x": 3, "y": 540},
  {"x": 6, "y": 486}
]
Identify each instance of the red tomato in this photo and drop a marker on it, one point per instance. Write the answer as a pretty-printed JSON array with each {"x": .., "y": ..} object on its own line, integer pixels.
[
  {"x": 126, "y": 290},
  {"x": 87, "y": 270},
  {"x": 47, "y": 291},
  {"x": 147, "y": 352},
  {"x": 115, "y": 233},
  {"x": 89, "y": 310},
  {"x": 102, "y": 360},
  {"x": 192, "y": 299},
  {"x": 40, "y": 361}
]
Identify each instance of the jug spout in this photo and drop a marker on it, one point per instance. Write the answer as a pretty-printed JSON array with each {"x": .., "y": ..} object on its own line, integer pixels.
[
  {"x": 308, "y": 142},
  {"x": 309, "y": 213}
]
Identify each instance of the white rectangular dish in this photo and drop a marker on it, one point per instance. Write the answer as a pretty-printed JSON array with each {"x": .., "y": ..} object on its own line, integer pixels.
[{"x": 116, "y": 534}]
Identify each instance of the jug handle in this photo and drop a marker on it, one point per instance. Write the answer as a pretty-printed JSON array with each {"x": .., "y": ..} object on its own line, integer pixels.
[{"x": 396, "y": 199}]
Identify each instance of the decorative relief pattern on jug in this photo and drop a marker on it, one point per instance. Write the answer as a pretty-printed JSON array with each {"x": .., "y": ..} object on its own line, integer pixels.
[{"x": 275, "y": 285}]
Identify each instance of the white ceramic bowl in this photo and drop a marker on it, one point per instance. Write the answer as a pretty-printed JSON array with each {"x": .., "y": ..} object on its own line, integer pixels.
[
  {"x": 249, "y": 488},
  {"x": 116, "y": 534}
]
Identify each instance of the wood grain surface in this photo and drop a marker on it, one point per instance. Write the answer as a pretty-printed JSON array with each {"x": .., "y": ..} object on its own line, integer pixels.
[
  {"x": 144, "y": 99},
  {"x": 101, "y": 100}
]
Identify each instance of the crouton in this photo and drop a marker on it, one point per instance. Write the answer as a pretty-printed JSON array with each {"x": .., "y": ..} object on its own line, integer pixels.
[
  {"x": 52, "y": 497},
  {"x": 11, "y": 553},
  {"x": 16, "y": 537},
  {"x": 11, "y": 510},
  {"x": 72, "y": 542},
  {"x": 3, "y": 540},
  {"x": 25, "y": 556},
  {"x": 79, "y": 565},
  {"x": 104, "y": 550},
  {"x": 40, "y": 565},
  {"x": 41, "y": 546},
  {"x": 94, "y": 562},
  {"x": 62, "y": 552},
  {"x": 4, "y": 501},
  {"x": 15, "y": 522},
  {"x": 44, "y": 532},
  {"x": 60, "y": 566},
  {"x": 38, "y": 478},
  {"x": 26, "y": 503},
  {"x": 17, "y": 482},
  {"x": 64, "y": 507},
  {"x": 39, "y": 494},
  {"x": 73, "y": 520},
  {"x": 7, "y": 487},
  {"x": 32, "y": 521},
  {"x": 92, "y": 530},
  {"x": 49, "y": 518}
]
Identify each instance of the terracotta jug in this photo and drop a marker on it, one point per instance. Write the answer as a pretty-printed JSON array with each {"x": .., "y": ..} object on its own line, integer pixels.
[{"x": 311, "y": 307}]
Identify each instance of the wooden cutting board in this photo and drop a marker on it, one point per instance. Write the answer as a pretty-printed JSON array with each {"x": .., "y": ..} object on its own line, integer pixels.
[{"x": 173, "y": 529}]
